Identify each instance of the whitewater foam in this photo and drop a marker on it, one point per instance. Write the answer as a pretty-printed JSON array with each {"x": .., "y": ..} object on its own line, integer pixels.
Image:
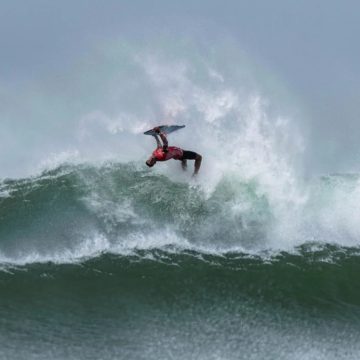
[{"x": 91, "y": 247}]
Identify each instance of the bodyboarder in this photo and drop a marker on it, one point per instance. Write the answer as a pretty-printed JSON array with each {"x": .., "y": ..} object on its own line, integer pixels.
[{"x": 163, "y": 152}]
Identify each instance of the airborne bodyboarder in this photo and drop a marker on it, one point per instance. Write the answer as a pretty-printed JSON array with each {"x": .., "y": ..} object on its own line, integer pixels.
[{"x": 163, "y": 152}]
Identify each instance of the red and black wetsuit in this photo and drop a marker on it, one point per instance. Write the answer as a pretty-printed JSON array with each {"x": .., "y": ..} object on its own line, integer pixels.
[
  {"x": 172, "y": 152},
  {"x": 165, "y": 152}
]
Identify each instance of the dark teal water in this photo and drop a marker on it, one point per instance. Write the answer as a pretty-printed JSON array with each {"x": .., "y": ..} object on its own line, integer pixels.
[{"x": 96, "y": 266}]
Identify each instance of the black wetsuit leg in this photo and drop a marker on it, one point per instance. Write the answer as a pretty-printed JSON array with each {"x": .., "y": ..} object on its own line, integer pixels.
[{"x": 189, "y": 155}]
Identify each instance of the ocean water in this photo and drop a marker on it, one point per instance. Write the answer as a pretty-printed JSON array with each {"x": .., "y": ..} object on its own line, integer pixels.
[
  {"x": 103, "y": 258},
  {"x": 116, "y": 261}
]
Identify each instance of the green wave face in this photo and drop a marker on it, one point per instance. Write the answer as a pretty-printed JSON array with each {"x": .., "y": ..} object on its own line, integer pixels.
[{"x": 185, "y": 304}]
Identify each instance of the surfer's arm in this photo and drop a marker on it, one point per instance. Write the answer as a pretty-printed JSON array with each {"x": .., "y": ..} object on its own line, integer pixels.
[
  {"x": 158, "y": 143},
  {"x": 163, "y": 138}
]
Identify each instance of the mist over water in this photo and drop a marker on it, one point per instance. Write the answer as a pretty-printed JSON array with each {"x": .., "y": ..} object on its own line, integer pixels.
[{"x": 99, "y": 107}]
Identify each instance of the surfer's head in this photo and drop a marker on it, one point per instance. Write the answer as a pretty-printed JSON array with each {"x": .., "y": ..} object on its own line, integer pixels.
[{"x": 151, "y": 161}]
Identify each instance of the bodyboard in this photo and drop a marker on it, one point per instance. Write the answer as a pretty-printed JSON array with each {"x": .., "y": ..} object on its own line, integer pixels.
[{"x": 165, "y": 129}]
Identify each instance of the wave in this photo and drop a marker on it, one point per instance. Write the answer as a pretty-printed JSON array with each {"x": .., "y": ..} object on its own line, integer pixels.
[
  {"x": 324, "y": 276},
  {"x": 76, "y": 212}
]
